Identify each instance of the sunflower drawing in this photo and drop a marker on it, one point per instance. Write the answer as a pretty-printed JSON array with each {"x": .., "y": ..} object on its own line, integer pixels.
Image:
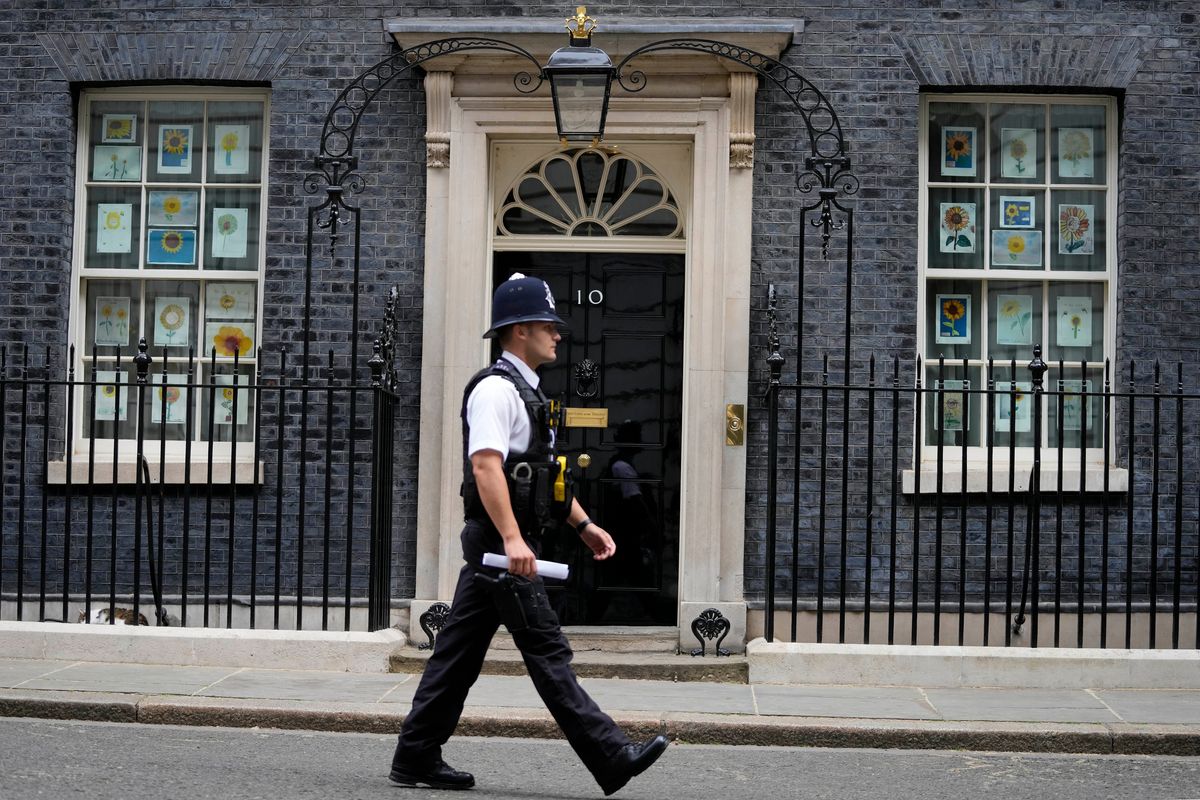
[
  {"x": 955, "y": 220},
  {"x": 229, "y": 143},
  {"x": 1073, "y": 225},
  {"x": 1018, "y": 150},
  {"x": 119, "y": 129},
  {"x": 1011, "y": 312},
  {"x": 1076, "y": 146},
  {"x": 172, "y": 242},
  {"x": 1015, "y": 246},
  {"x": 958, "y": 148},
  {"x": 106, "y": 321},
  {"x": 112, "y": 220},
  {"x": 953, "y": 310},
  {"x": 227, "y": 225},
  {"x": 175, "y": 141},
  {"x": 171, "y": 206},
  {"x": 231, "y": 341},
  {"x": 228, "y": 301},
  {"x": 172, "y": 319}
]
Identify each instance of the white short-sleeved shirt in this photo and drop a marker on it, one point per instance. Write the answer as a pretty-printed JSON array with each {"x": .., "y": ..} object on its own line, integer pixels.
[{"x": 495, "y": 414}]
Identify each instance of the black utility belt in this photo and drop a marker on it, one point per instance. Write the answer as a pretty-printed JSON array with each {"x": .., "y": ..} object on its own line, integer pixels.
[{"x": 541, "y": 491}]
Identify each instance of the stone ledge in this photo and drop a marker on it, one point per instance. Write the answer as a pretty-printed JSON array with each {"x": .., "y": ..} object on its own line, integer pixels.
[
  {"x": 927, "y": 666},
  {"x": 263, "y": 649}
]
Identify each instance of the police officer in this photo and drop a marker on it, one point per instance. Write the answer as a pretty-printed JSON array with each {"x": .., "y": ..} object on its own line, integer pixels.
[{"x": 512, "y": 493}]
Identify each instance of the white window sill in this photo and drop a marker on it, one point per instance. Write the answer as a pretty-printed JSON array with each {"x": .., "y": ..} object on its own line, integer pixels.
[
  {"x": 977, "y": 478},
  {"x": 244, "y": 471}
]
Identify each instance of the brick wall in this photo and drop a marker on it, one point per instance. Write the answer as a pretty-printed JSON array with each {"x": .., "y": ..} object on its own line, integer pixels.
[{"x": 871, "y": 59}]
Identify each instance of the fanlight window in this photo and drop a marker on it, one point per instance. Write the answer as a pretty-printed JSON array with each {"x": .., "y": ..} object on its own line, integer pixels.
[{"x": 587, "y": 192}]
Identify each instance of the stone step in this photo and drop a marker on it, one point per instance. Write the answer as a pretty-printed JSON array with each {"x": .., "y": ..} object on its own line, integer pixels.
[{"x": 605, "y": 664}]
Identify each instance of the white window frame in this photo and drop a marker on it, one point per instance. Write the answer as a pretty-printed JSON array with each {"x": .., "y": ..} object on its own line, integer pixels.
[
  {"x": 976, "y": 455},
  {"x": 80, "y": 274}
]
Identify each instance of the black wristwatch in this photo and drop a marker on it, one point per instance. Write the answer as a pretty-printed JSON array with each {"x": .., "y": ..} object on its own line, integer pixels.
[{"x": 582, "y": 526}]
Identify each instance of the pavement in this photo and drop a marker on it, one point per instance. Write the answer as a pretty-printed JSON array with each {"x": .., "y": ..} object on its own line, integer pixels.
[{"x": 1129, "y": 721}]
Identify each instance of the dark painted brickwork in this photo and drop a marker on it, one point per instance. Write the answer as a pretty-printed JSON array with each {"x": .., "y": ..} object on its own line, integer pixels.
[{"x": 871, "y": 58}]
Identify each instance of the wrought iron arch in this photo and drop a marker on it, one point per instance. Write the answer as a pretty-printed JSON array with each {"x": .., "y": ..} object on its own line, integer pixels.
[{"x": 336, "y": 164}]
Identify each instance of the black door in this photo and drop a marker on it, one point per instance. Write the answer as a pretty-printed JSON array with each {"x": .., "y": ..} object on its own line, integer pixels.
[{"x": 622, "y": 352}]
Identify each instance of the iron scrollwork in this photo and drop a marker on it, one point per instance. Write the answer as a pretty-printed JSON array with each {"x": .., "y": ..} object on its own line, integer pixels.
[
  {"x": 828, "y": 166},
  {"x": 432, "y": 622},
  {"x": 710, "y": 624}
]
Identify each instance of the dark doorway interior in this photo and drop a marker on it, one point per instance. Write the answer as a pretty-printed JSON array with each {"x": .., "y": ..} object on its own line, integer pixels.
[{"x": 625, "y": 314}]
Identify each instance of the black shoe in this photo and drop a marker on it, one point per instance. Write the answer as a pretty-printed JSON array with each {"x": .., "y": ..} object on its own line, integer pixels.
[
  {"x": 436, "y": 775},
  {"x": 631, "y": 760}
]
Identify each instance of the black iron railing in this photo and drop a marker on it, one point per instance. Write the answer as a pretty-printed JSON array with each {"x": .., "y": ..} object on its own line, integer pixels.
[
  {"x": 1061, "y": 512},
  {"x": 212, "y": 492}
]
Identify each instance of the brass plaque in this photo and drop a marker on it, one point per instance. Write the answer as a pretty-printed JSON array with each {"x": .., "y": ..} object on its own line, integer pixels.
[
  {"x": 587, "y": 417},
  {"x": 735, "y": 424}
]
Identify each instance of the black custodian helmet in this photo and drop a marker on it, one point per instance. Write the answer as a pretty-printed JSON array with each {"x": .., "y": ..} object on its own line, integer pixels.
[{"x": 521, "y": 299}]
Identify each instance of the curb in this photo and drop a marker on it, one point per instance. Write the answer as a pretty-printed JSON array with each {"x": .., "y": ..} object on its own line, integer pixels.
[{"x": 719, "y": 729}]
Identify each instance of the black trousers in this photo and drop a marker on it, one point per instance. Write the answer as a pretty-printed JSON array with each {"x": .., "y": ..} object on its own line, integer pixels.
[{"x": 458, "y": 655}]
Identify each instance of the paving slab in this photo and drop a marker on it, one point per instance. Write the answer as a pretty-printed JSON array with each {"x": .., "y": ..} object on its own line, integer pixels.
[
  {"x": 658, "y": 696},
  {"x": 130, "y": 678},
  {"x": 298, "y": 685},
  {"x": 18, "y": 671},
  {"x": 1019, "y": 705},
  {"x": 1162, "y": 706},
  {"x": 502, "y": 691},
  {"x": 865, "y": 702}
]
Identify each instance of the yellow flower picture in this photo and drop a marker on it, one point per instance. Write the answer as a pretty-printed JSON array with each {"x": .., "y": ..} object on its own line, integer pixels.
[
  {"x": 957, "y": 228},
  {"x": 172, "y": 321},
  {"x": 175, "y": 149},
  {"x": 119, "y": 128},
  {"x": 1076, "y": 152},
  {"x": 229, "y": 340},
  {"x": 958, "y": 151},
  {"x": 1076, "y": 235},
  {"x": 172, "y": 208},
  {"x": 1016, "y": 249},
  {"x": 954, "y": 319},
  {"x": 1018, "y": 153}
]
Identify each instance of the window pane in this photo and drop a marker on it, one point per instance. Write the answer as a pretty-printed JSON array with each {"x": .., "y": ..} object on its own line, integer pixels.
[
  {"x": 171, "y": 309},
  {"x": 1017, "y": 226},
  {"x": 235, "y": 134},
  {"x": 167, "y": 405},
  {"x": 1080, "y": 230},
  {"x": 1069, "y": 409},
  {"x": 952, "y": 328},
  {"x": 107, "y": 405},
  {"x": 1078, "y": 140},
  {"x": 229, "y": 313},
  {"x": 951, "y": 410},
  {"x": 115, "y": 142},
  {"x": 176, "y": 130},
  {"x": 956, "y": 146},
  {"x": 1076, "y": 329},
  {"x": 224, "y": 409},
  {"x": 114, "y": 224},
  {"x": 112, "y": 317},
  {"x": 231, "y": 229},
  {"x": 1012, "y": 405},
  {"x": 1018, "y": 143},
  {"x": 955, "y": 229},
  {"x": 1014, "y": 319}
]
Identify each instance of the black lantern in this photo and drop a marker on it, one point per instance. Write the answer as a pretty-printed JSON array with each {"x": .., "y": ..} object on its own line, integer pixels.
[{"x": 580, "y": 78}]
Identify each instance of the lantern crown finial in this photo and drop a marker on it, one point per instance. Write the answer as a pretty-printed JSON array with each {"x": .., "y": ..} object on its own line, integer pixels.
[{"x": 581, "y": 26}]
